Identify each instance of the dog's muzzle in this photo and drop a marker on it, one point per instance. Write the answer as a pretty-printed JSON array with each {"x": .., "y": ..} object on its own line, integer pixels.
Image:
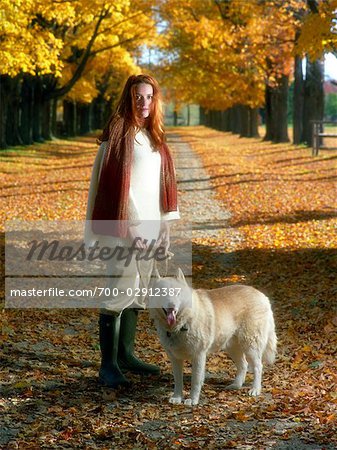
[{"x": 171, "y": 316}]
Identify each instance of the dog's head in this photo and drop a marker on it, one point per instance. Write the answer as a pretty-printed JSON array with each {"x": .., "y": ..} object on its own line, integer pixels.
[{"x": 171, "y": 294}]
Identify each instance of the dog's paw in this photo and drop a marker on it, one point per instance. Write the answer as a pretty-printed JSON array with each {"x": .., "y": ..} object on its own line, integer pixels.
[
  {"x": 175, "y": 400},
  {"x": 254, "y": 391},
  {"x": 191, "y": 402}
]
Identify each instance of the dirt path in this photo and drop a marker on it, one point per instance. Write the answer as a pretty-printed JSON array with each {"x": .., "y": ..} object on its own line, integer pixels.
[
  {"x": 197, "y": 200},
  {"x": 203, "y": 212}
]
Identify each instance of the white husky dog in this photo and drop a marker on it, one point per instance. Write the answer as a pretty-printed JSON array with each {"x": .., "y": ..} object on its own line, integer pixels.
[{"x": 237, "y": 319}]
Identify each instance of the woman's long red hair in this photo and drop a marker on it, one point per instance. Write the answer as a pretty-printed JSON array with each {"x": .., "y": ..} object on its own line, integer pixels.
[{"x": 127, "y": 109}]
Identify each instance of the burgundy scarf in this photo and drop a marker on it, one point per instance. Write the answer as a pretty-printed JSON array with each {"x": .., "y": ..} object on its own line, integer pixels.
[{"x": 112, "y": 196}]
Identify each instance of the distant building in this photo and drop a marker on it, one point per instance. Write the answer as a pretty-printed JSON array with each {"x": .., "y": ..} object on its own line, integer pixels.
[{"x": 330, "y": 87}]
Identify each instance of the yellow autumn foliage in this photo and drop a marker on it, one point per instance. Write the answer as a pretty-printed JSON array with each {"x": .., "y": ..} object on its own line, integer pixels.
[
  {"x": 111, "y": 67},
  {"x": 25, "y": 46},
  {"x": 219, "y": 54},
  {"x": 52, "y": 37},
  {"x": 319, "y": 31},
  {"x": 214, "y": 53}
]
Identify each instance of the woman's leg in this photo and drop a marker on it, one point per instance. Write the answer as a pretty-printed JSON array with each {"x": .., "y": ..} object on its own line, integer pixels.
[
  {"x": 125, "y": 281},
  {"x": 109, "y": 330},
  {"x": 126, "y": 358}
]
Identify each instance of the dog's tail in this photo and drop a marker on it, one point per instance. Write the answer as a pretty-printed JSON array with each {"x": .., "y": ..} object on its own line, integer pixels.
[{"x": 269, "y": 353}]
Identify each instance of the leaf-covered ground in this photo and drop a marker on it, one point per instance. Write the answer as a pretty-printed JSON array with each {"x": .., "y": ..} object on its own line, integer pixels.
[{"x": 283, "y": 204}]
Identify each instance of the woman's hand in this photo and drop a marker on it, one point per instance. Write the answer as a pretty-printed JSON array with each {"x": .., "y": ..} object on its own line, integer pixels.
[{"x": 133, "y": 234}]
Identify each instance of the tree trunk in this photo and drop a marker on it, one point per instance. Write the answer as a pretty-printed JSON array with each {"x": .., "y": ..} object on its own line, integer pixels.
[
  {"x": 231, "y": 119},
  {"x": 207, "y": 117},
  {"x": 244, "y": 120},
  {"x": 254, "y": 122},
  {"x": 202, "y": 116},
  {"x": 27, "y": 99},
  {"x": 13, "y": 112},
  {"x": 83, "y": 115},
  {"x": 98, "y": 119},
  {"x": 225, "y": 120},
  {"x": 276, "y": 111},
  {"x": 298, "y": 102},
  {"x": 216, "y": 120},
  {"x": 281, "y": 110},
  {"x": 54, "y": 116},
  {"x": 211, "y": 118},
  {"x": 60, "y": 92},
  {"x": 219, "y": 120},
  {"x": 78, "y": 107},
  {"x": 175, "y": 118},
  {"x": 108, "y": 108},
  {"x": 268, "y": 114},
  {"x": 89, "y": 118},
  {"x": 69, "y": 118},
  {"x": 313, "y": 108},
  {"x": 236, "y": 129},
  {"x": 46, "y": 122},
  {"x": 249, "y": 121},
  {"x": 4, "y": 101},
  {"x": 37, "y": 110}
]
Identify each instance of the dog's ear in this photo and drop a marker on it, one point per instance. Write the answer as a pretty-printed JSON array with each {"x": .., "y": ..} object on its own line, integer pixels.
[{"x": 180, "y": 275}]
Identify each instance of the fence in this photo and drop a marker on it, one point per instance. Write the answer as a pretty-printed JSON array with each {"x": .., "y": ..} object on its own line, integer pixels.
[{"x": 319, "y": 132}]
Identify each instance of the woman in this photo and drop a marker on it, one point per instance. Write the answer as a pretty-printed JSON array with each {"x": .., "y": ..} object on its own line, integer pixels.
[{"x": 133, "y": 181}]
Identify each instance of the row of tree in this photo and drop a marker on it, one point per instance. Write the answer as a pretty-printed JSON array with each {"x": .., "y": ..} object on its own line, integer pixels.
[
  {"x": 233, "y": 56},
  {"x": 229, "y": 56},
  {"x": 78, "y": 52}
]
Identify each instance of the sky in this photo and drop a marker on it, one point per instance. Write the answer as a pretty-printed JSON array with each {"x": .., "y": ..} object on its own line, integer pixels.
[{"x": 331, "y": 66}]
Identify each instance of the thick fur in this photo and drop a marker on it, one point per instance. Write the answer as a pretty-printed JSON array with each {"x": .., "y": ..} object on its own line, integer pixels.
[{"x": 237, "y": 319}]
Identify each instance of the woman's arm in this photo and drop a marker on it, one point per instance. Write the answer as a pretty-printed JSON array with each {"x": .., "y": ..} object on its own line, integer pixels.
[{"x": 96, "y": 170}]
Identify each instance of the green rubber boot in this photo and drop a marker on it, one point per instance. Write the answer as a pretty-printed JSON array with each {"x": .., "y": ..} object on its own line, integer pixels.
[
  {"x": 110, "y": 374},
  {"x": 127, "y": 361}
]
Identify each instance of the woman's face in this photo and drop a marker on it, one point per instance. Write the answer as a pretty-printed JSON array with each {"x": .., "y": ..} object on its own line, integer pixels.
[{"x": 144, "y": 97}]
